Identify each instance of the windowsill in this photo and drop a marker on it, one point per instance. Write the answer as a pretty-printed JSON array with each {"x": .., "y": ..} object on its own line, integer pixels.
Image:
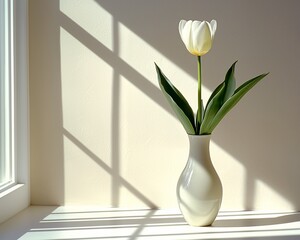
[
  {"x": 37, "y": 222},
  {"x": 10, "y": 190},
  {"x": 13, "y": 200}
]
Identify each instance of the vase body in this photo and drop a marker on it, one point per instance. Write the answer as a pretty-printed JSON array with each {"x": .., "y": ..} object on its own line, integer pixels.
[{"x": 199, "y": 189}]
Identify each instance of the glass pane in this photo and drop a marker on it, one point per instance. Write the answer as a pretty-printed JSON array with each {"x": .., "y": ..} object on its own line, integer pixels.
[
  {"x": 5, "y": 106},
  {"x": 2, "y": 97}
]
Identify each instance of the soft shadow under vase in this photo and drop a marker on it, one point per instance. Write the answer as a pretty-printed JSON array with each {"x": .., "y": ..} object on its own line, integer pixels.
[{"x": 199, "y": 189}]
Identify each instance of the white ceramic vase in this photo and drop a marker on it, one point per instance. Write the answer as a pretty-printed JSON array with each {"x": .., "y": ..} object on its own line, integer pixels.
[{"x": 199, "y": 189}]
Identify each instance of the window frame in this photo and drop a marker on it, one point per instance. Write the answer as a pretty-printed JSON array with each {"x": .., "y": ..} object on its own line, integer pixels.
[
  {"x": 7, "y": 86},
  {"x": 16, "y": 196}
]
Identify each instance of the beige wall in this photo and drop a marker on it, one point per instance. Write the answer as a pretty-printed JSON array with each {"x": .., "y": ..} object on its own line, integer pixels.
[{"x": 101, "y": 131}]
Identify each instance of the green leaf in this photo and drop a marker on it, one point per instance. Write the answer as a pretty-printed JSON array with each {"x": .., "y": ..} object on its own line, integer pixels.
[
  {"x": 198, "y": 123},
  {"x": 229, "y": 83},
  {"x": 178, "y": 103},
  {"x": 212, "y": 108},
  {"x": 232, "y": 101},
  {"x": 220, "y": 95},
  {"x": 214, "y": 93}
]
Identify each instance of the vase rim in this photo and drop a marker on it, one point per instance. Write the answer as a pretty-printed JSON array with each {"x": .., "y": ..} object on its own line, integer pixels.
[
  {"x": 197, "y": 135},
  {"x": 193, "y": 136}
]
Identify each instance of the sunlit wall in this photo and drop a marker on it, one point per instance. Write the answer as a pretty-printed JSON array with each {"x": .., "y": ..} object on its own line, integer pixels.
[{"x": 101, "y": 130}]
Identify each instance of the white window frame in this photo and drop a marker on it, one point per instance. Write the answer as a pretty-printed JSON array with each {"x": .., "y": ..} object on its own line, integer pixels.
[
  {"x": 16, "y": 196},
  {"x": 7, "y": 166}
]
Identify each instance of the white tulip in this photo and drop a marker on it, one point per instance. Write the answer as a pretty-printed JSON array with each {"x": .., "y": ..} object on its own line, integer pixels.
[{"x": 197, "y": 35}]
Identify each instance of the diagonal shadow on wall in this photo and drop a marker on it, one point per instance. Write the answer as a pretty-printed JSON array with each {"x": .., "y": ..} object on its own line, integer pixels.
[
  {"x": 272, "y": 162},
  {"x": 120, "y": 68},
  {"x": 148, "y": 11},
  {"x": 118, "y": 180},
  {"x": 281, "y": 176}
]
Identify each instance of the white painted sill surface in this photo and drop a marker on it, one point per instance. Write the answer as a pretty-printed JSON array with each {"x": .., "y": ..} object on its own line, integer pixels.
[
  {"x": 12, "y": 201},
  {"x": 53, "y": 223}
]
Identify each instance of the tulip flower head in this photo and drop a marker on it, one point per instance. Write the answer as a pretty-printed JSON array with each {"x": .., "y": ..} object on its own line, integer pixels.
[{"x": 197, "y": 36}]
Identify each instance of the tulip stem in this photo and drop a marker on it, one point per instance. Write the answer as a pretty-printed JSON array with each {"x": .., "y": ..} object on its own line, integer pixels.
[{"x": 199, "y": 115}]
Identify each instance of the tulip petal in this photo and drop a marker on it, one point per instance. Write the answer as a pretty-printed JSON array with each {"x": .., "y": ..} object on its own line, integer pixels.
[
  {"x": 181, "y": 26},
  {"x": 213, "y": 25},
  {"x": 186, "y": 35},
  {"x": 202, "y": 39},
  {"x": 196, "y": 28}
]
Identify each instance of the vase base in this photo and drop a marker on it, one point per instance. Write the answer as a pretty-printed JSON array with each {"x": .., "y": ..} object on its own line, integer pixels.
[{"x": 199, "y": 224}]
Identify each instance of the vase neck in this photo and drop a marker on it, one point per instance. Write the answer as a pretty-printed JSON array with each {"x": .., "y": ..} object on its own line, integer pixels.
[
  {"x": 199, "y": 147},
  {"x": 199, "y": 141}
]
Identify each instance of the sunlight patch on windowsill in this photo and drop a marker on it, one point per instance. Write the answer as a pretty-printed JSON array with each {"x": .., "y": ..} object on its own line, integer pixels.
[{"x": 111, "y": 223}]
